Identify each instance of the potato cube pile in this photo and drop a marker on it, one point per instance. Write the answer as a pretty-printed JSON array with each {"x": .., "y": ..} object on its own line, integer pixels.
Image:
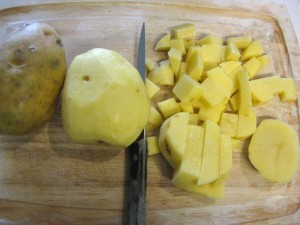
[{"x": 196, "y": 131}]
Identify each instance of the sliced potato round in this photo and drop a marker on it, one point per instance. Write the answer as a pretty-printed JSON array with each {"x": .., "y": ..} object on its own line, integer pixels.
[{"x": 274, "y": 150}]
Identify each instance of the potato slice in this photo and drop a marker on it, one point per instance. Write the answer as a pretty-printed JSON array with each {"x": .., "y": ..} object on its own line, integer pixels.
[
  {"x": 276, "y": 84},
  {"x": 210, "y": 40},
  {"x": 149, "y": 64},
  {"x": 178, "y": 44},
  {"x": 212, "y": 113},
  {"x": 155, "y": 120},
  {"x": 213, "y": 93},
  {"x": 186, "y": 175},
  {"x": 186, "y": 107},
  {"x": 168, "y": 107},
  {"x": 223, "y": 80},
  {"x": 246, "y": 125},
  {"x": 172, "y": 138},
  {"x": 232, "y": 53},
  {"x": 210, "y": 168},
  {"x": 264, "y": 60},
  {"x": 241, "y": 42},
  {"x": 234, "y": 102},
  {"x": 191, "y": 52},
  {"x": 175, "y": 57},
  {"x": 187, "y": 89},
  {"x": 245, "y": 100},
  {"x": 261, "y": 91},
  {"x": 255, "y": 49},
  {"x": 211, "y": 55},
  {"x": 182, "y": 69},
  {"x": 289, "y": 92},
  {"x": 225, "y": 154},
  {"x": 195, "y": 66},
  {"x": 186, "y": 30},
  {"x": 162, "y": 73},
  {"x": 152, "y": 145},
  {"x": 229, "y": 66},
  {"x": 274, "y": 150},
  {"x": 229, "y": 124},
  {"x": 163, "y": 44},
  {"x": 151, "y": 88},
  {"x": 252, "y": 66}
]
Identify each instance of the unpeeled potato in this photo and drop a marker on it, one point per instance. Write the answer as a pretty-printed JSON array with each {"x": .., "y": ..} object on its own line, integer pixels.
[{"x": 32, "y": 72}]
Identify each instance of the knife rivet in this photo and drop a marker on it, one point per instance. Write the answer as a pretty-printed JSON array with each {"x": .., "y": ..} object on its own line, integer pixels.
[{"x": 135, "y": 157}]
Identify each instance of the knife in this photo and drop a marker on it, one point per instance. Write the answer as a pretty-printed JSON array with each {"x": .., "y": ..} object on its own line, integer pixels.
[{"x": 138, "y": 159}]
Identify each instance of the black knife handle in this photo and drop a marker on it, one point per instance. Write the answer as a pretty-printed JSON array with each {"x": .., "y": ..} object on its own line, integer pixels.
[{"x": 137, "y": 182}]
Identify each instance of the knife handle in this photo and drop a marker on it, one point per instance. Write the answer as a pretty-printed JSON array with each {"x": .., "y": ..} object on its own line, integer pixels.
[{"x": 137, "y": 182}]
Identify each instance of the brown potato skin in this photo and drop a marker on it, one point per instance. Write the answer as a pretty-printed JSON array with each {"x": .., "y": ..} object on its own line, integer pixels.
[{"x": 32, "y": 72}]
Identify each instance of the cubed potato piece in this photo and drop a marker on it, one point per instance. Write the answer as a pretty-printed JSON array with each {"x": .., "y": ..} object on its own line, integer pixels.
[
  {"x": 232, "y": 53},
  {"x": 223, "y": 80},
  {"x": 187, "y": 89},
  {"x": 211, "y": 113},
  {"x": 182, "y": 69},
  {"x": 149, "y": 64},
  {"x": 261, "y": 91},
  {"x": 168, "y": 107},
  {"x": 186, "y": 107},
  {"x": 289, "y": 90},
  {"x": 192, "y": 50},
  {"x": 210, "y": 168},
  {"x": 234, "y": 102},
  {"x": 178, "y": 44},
  {"x": 229, "y": 66},
  {"x": 154, "y": 121},
  {"x": 236, "y": 144},
  {"x": 225, "y": 154},
  {"x": 187, "y": 30},
  {"x": 233, "y": 77},
  {"x": 264, "y": 60},
  {"x": 255, "y": 49},
  {"x": 210, "y": 40},
  {"x": 214, "y": 190},
  {"x": 162, "y": 73},
  {"x": 172, "y": 138},
  {"x": 152, "y": 144},
  {"x": 211, "y": 55},
  {"x": 223, "y": 54},
  {"x": 175, "y": 57},
  {"x": 276, "y": 84},
  {"x": 240, "y": 42},
  {"x": 229, "y": 124},
  {"x": 213, "y": 93},
  {"x": 151, "y": 88},
  {"x": 245, "y": 99},
  {"x": 252, "y": 66},
  {"x": 189, "y": 43},
  {"x": 246, "y": 125},
  {"x": 195, "y": 66},
  {"x": 163, "y": 44},
  {"x": 194, "y": 119},
  {"x": 186, "y": 175}
]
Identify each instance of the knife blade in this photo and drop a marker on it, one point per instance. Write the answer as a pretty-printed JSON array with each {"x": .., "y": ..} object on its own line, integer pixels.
[{"x": 137, "y": 181}]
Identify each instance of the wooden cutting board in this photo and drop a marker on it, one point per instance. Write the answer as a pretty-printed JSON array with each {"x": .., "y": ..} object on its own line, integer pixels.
[{"x": 45, "y": 178}]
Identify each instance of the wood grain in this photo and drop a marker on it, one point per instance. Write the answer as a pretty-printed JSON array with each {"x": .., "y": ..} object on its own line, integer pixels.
[{"x": 44, "y": 177}]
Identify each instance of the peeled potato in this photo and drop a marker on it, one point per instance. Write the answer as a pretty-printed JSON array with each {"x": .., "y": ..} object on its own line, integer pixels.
[
  {"x": 104, "y": 99},
  {"x": 274, "y": 150}
]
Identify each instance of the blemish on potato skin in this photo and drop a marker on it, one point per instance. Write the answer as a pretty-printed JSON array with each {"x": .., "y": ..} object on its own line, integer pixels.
[
  {"x": 55, "y": 64},
  {"x": 59, "y": 42}
]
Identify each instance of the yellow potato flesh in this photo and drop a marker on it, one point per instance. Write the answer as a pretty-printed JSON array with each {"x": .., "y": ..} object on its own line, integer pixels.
[
  {"x": 274, "y": 150},
  {"x": 104, "y": 99}
]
